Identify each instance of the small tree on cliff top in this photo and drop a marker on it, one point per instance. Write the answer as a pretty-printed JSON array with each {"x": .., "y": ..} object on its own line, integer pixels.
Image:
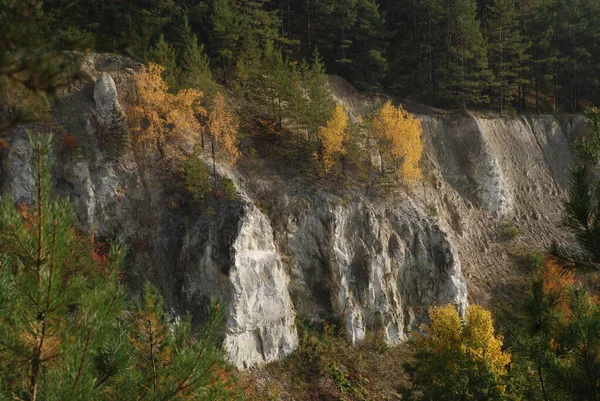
[
  {"x": 164, "y": 120},
  {"x": 333, "y": 136},
  {"x": 222, "y": 129},
  {"x": 398, "y": 135}
]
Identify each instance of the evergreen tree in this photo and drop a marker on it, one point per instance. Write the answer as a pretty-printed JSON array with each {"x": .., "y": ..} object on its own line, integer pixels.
[
  {"x": 195, "y": 65},
  {"x": 577, "y": 34},
  {"x": 226, "y": 31},
  {"x": 319, "y": 106},
  {"x": 464, "y": 73},
  {"x": 579, "y": 338},
  {"x": 507, "y": 49},
  {"x": 582, "y": 209},
  {"x": 60, "y": 300},
  {"x": 369, "y": 58},
  {"x": 416, "y": 46},
  {"x": 64, "y": 333},
  {"x": 164, "y": 55},
  {"x": 167, "y": 362},
  {"x": 33, "y": 66},
  {"x": 351, "y": 36}
]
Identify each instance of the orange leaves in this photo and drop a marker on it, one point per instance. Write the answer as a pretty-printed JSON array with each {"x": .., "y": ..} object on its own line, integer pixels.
[
  {"x": 223, "y": 128},
  {"x": 558, "y": 281},
  {"x": 25, "y": 212},
  {"x": 556, "y": 277},
  {"x": 333, "y": 136},
  {"x": 163, "y": 119},
  {"x": 399, "y": 136},
  {"x": 169, "y": 121}
]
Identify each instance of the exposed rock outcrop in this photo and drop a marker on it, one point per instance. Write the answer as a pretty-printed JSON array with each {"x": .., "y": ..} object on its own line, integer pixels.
[{"x": 283, "y": 249}]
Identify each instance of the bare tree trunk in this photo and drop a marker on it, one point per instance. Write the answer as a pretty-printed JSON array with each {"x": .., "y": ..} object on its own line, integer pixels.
[{"x": 212, "y": 144}]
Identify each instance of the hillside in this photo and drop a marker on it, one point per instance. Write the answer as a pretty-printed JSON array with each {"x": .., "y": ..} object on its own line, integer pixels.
[{"x": 288, "y": 248}]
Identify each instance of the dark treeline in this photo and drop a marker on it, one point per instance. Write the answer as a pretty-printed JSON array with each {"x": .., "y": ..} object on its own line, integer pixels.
[{"x": 524, "y": 55}]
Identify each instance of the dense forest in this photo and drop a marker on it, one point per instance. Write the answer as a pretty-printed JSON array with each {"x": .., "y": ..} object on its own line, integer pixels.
[{"x": 524, "y": 55}]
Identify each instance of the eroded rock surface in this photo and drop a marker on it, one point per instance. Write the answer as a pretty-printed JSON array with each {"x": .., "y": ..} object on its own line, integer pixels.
[{"x": 283, "y": 250}]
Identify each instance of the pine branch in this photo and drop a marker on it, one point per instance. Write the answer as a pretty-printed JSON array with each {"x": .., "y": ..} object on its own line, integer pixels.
[{"x": 90, "y": 331}]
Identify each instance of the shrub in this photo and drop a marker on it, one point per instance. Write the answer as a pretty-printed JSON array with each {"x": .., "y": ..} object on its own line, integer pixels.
[
  {"x": 510, "y": 231},
  {"x": 69, "y": 143},
  {"x": 197, "y": 178}
]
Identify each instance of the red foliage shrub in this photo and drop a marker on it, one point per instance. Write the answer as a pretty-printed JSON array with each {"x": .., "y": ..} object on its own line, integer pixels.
[{"x": 69, "y": 143}]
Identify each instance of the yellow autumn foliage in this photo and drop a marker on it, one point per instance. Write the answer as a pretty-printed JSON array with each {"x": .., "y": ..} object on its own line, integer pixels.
[
  {"x": 398, "y": 134},
  {"x": 333, "y": 136},
  {"x": 164, "y": 120},
  {"x": 451, "y": 347},
  {"x": 223, "y": 128},
  {"x": 480, "y": 341}
]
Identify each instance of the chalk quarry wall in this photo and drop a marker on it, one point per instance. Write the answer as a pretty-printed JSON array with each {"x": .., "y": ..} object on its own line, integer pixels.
[{"x": 373, "y": 262}]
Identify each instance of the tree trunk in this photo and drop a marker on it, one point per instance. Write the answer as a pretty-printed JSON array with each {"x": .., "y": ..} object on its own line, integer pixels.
[
  {"x": 537, "y": 89},
  {"x": 212, "y": 145},
  {"x": 542, "y": 385}
]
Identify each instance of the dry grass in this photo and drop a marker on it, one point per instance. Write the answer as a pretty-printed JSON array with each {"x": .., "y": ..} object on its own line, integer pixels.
[{"x": 325, "y": 367}]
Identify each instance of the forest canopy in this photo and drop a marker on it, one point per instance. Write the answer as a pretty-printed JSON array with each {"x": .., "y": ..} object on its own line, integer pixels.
[{"x": 534, "y": 55}]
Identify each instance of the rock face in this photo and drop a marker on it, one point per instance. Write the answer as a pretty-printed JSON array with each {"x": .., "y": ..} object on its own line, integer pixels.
[
  {"x": 283, "y": 250},
  {"x": 260, "y": 327}
]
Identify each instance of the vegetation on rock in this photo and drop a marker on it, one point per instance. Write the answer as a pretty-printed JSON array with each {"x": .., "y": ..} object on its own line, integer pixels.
[
  {"x": 64, "y": 330},
  {"x": 398, "y": 135}
]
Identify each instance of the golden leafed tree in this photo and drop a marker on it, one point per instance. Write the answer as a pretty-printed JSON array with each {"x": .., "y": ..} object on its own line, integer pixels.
[
  {"x": 333, "y": 136},
  {"x": 164, "y": 120},
  {"x": 223, "y": 128},
  {"x": 398, "y": 135},
  {"x": 459, "y": 359}
]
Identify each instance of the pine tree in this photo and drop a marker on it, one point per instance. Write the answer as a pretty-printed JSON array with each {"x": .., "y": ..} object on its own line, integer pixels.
[
  {"x": 168, "y": 363},
  {"x": 195, "y": 65},
  {"x": 583, "y": 214},
  {"x": 164, "y": 55},
  {"x": 582, "y": 209},
  {"x": 369, "y": 64},
  {"x": 59, "y": 298},
  {"x": 319, "y": 106},
  {"x": 464, "y": 72},
  {"x": 579, "y": 336},
  {"x": 226, "y": 30},
  {"x": 507, "y": 49},
  {"x": 33, "y": 66}
]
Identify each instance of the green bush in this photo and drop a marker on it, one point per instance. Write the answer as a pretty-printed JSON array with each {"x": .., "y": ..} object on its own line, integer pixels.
[
  {"x": 432, "y": 211},
  {"x": 229, "y": 189},
  {"x": 511, "y": 231},
  {"x": 197, "y": 178}
]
